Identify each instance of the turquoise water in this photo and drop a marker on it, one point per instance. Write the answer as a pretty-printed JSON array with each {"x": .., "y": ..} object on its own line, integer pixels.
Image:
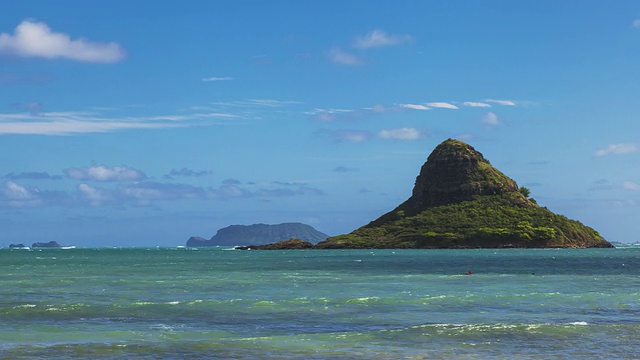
[{"x": 319, "y": 304}]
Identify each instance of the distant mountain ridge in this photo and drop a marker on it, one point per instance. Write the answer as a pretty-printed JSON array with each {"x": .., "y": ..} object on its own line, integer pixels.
[{"x": 259, "y": 234}]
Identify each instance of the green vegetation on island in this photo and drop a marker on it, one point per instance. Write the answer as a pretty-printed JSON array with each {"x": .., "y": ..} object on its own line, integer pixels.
[
  {"x": 461, "y": 201},
  {"x": 493, "y": 221},
  {"x": 291, "y": 244}
]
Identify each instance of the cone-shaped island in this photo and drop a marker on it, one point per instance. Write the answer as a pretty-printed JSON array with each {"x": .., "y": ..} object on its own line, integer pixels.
[{"x": 461, "y": 201}]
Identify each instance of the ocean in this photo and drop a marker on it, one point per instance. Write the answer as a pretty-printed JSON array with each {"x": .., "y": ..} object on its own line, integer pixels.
[{"x": 213, "y": 303}]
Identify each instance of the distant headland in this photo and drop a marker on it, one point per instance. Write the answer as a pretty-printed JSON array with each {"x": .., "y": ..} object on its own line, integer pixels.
[
  {"x": 259, "y": 234},
  {"x": 461, "y": 201}
]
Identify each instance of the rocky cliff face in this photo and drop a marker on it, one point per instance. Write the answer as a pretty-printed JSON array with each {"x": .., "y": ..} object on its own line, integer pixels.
[
  {"x": 259, "y": 234},
  {"x": 456, "y": 172}
]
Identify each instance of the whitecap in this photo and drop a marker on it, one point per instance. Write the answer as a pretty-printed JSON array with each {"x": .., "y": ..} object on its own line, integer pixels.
[{"x": 143, "y": 303}]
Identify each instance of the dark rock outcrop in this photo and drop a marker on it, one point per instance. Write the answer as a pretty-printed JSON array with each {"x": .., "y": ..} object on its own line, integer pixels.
[
  {"x": 17, "y": 246},
  {"x": 456, "y": 172},
  {"x": 50, "y": 244},
  {"x": 291, "y": 244},
  {"x": 259, "y": 234},
  {"x": 196, "y": 241}
]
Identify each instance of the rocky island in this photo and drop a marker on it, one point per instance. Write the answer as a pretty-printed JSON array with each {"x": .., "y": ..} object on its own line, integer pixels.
[
  {"x": 461, "y": 201},
  {"x": 50, "y": 244},
  {"x": 259, "y": 234}
]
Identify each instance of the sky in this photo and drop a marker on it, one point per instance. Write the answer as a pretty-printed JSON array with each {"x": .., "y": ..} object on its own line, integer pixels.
[{"x": 143, "y": 123}]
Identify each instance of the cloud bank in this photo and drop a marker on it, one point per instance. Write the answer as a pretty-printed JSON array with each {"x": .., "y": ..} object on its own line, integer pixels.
[
  {"x": 35, "y": 39},
  {"x": 72, "y": 123},
  {"x": 103, "y": 173},
  {"x": 31, "y": 175}
]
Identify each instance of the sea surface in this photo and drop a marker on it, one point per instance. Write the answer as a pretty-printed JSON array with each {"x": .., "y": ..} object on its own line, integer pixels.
[{"x": 213, "y": 303}]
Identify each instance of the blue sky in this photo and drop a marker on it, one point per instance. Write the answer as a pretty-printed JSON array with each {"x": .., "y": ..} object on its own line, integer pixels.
[{"x": 143, "y": 123}]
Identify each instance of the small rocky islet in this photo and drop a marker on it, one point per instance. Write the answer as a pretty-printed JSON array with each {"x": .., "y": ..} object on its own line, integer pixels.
[
  {"x": 35, "y": 245},
  {"x": 461, "y": 201}
]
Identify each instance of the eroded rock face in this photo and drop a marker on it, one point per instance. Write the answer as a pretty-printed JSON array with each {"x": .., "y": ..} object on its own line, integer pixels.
[{"x": 456, "y": 172}]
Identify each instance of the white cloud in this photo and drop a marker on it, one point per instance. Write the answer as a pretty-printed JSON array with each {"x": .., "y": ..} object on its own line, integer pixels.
[
  {"x": 442, "y": 105},
  {"x": 215, "y": 78},
  {"x": 15, "y": 195},
  {"x": 378, "y": 38},
  {"x": 331, "y": 114},
  {"x": 94, "y": 195},
  {"x": 491, "y": 119},
  {"x": 476, "y": 104},
  {"x": 414, "y": 106},
  {"x": 636, "y": 23},
  {"x": 35, "y": 39},
  {"x": 103, "y": 173},
  {"x": 355, "y": 136},
  {"x": 70, "y": 123},
  {"x": 618, "y": 149},
  {"x": 342, "y": 57},
  {"x": 630, "y": 185},
  {"x": 72, "y": 127},
  {"x": 15, "y": 191},
  {"x": 502, "y": 102},
  {"x": 400, "y": 134}
]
